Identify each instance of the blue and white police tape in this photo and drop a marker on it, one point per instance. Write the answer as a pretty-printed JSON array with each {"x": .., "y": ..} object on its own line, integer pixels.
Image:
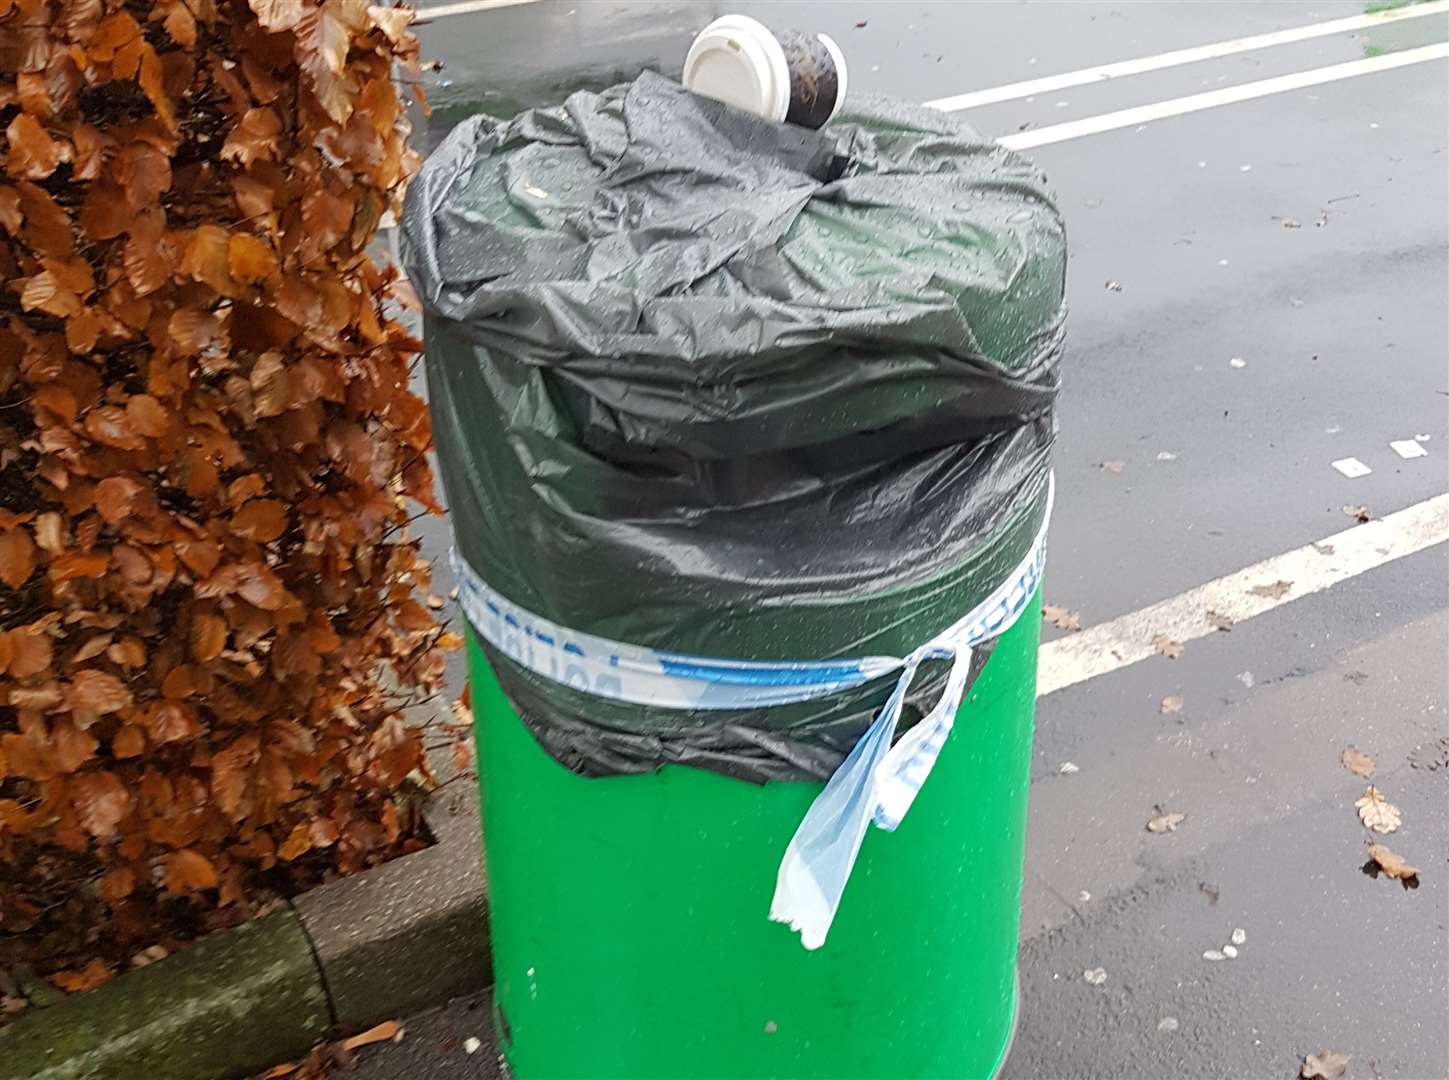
[{"x": 876, "y": 782}]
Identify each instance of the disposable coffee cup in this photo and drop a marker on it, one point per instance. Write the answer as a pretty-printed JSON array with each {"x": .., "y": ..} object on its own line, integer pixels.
[{"x": 788, "y": 76}]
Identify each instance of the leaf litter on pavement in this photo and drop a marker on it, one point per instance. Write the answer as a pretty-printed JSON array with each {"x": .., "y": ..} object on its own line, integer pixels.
[
  {"x": 1324, "y": 1065},
  {"x": 1164, "y": 821},
  {"x": 1061, "y": 617},
  {"x": 326, "y": 1057},
  {"x": 1357, "y": 762},
  {"x": 1377, "y": 813},
  {"x": 1276, "y": 591},
  {"x": 1393, "y": 865},
  {"x": 1167, "y": 646},
  {"x": 1220, "y": 621},
  {"x": 1172, "y": 703}
]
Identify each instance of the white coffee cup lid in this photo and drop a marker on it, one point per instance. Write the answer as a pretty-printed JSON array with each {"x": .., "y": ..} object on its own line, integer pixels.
[{"x": 736, "y": 59}]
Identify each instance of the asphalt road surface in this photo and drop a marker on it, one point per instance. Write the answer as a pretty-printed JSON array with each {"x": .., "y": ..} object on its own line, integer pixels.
[{"x": 1277, "y": 302}]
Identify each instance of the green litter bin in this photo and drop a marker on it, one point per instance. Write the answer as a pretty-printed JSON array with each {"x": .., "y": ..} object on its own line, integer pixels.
[
  {"x": 746, "y": 435},
  {"x": 628, "y": 912}
]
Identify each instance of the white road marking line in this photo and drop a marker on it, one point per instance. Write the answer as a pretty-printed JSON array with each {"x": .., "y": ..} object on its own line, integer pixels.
[
  {"x": 1103, "y": 72},
  {"x": 463, "y": 7},
  {"x": 1228, "y": 95},
  {"x": 1113, "y": 645}
]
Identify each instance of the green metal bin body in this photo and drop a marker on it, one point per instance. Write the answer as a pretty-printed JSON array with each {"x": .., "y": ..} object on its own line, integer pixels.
[{"x": 629, "y": 913}]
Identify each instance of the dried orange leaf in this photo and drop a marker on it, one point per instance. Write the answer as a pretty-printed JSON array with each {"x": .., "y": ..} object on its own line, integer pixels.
[
  {"x": 392, "y": 21},
  {"x": 208, "y": 637},
  {"x": 250, "y": 259},
  {"x": 89, "y": 977},
  {"x": 387, "y": 1031},
  {"x": 118, "y": 884},
  {"x": 34, "y": 155},
  {"x": 1357, "y": 762},
  {"x": 44, "y": 292},
  {"x": 17, "y": 557},
  {"x": 262, "y": 520},
  {"x": 205, "y": 258},
  {"x": 95, "y": 693},
  {"x": 147, "y": 415},
  {"x": 31, "y": 654},
  {"x": 188, "y": 871},
  {"x": 128, "y": 742},
  {"x": 1392, "y": 865},
  {"x": 298, "y": 843},
  {"x": 100, "y": 801},
  {"x": 1172, "y": 703},
  {"x": 255, "y": 138},
  {"x": 115, "y": 496},
  {"x": 277, "y": 14},
  {"x": 181, "y": 25}
]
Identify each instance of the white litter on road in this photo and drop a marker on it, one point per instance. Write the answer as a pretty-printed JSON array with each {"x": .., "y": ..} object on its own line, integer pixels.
[
  {"x": 1068, "y": 768},
  {"x": 1351, "y": 467},
  {"x": 1408, "y": 448},
  {"x": 1239, "y": 936},
  {"x": 471, "y": 1045},
  {"x": 1214, "y": 954},
  {"x": 1111, "y": 646},
  {"x": 1230, "y": 951},
  {"x": 1095, "y": 976},
  {"x": 1237, "y": 362}
]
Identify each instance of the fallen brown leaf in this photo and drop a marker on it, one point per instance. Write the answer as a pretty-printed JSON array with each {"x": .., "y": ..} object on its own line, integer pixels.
[
  {"x": 1357, "y": 762},
  {"x": 1275, "y": 591},
  {"x": 89, "y": 977},
  {"x": 1161, "y": 822},
  {"x": 1172, "y": 703},
  {"x": 1324, "y": 1065},
  {"x": 1392, "y": 865},
  {"x": 1360, "y": 514},
  {"x": 1323, "y": 549},
  {"x": 387, "y": 1031},
  {"x": 1060, "y": 617},
  {"x": 1167, "y": 647},
  {"x": 1113, "y": 466},
  {"x": 1220, "y": 621},
  {"x": 1378, "y": 813}
]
